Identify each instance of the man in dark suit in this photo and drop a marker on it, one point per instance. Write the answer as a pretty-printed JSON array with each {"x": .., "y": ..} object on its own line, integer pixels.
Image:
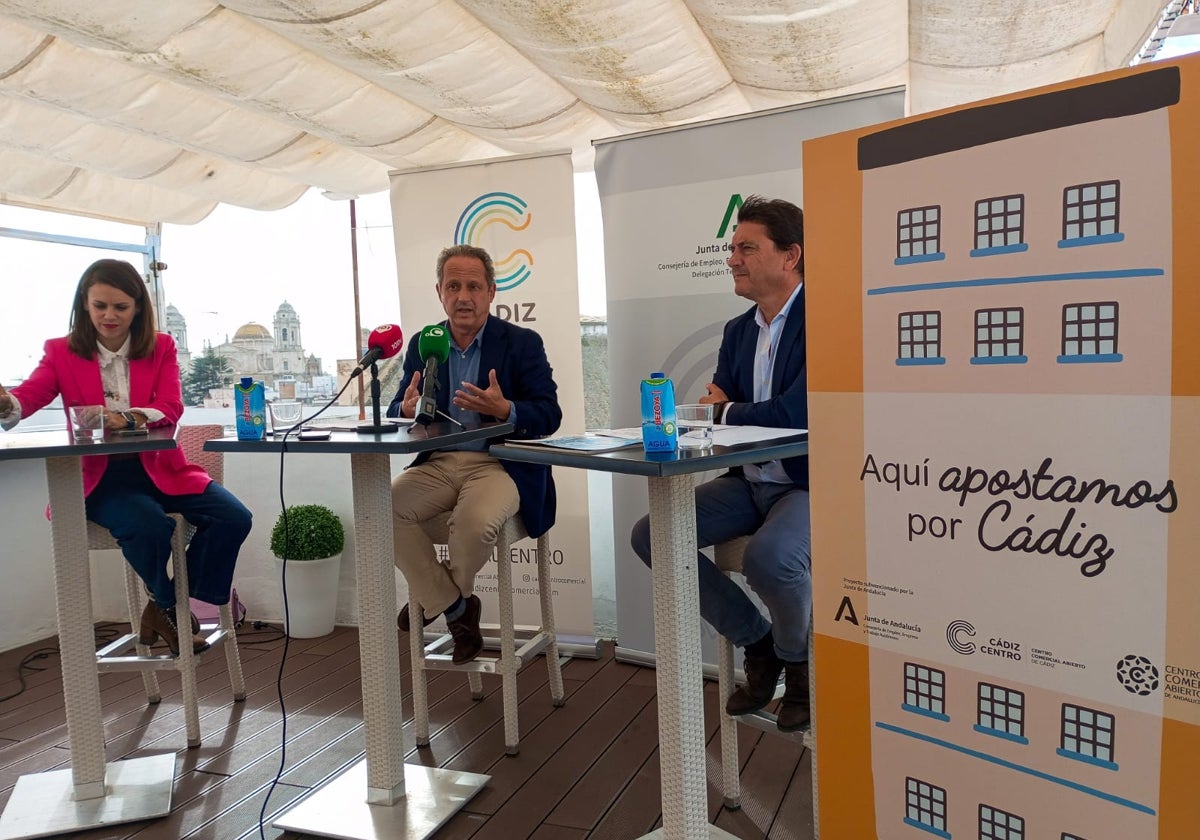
[
  {"x": 497, "y": 371},
  {"x": 761, "y": 380}
]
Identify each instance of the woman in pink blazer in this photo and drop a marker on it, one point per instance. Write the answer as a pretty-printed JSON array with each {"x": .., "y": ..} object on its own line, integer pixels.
[{"x": 114, "y": 357}]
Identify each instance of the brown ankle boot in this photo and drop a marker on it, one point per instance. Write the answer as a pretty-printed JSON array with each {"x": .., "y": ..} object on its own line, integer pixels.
[
  {"x": 195, "y": 621},
  {"x": 159, "y": 623},
  {"x": 762, "y": 675},
  {"x": 794, "y": 708}
]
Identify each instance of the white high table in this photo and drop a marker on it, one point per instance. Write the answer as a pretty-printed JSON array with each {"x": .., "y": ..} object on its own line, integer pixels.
[
  {"x": 676, "y": 605},
  {"x": 92, "y": 792},
  {"x": 380, "y": 797}
]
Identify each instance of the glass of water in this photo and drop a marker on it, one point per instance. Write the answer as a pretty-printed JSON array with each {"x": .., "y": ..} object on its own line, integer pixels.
[
  {"x": 87, "y": 422},
  {"x": 695, "y": 424},
  {"x": 284, "y": 414}
]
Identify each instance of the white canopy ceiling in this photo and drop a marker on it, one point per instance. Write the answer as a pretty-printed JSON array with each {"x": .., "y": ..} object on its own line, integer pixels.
[{"x": 155, "y": 110}]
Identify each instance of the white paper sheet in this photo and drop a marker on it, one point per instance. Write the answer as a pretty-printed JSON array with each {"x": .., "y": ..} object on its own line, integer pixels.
[{"x": 731, "y": 435}]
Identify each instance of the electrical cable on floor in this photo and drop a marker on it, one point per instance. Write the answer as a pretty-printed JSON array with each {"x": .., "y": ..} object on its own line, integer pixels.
[
  {"x": 262, "y": 636},
  {"x": 26, "y": 664},
  {"x": 106, "y": 633},
  {"x": 262, "y": 814}
]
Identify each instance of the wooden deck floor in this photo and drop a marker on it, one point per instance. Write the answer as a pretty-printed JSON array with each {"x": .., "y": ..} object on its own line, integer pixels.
[{"x": 586, "y": 770}]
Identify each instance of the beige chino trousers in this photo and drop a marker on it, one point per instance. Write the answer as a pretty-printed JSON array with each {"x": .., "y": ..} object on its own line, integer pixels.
[{"x": 478, "y": 495}]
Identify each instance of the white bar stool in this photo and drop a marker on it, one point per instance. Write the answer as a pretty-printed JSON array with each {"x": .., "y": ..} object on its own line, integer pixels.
[
  {"x": 116, "y": 657},
  {"x": 728, "y": 557},
  {"x": 436, "y": 654}
]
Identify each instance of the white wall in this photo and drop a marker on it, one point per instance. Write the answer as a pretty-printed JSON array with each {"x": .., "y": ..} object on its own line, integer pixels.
[
  {"x": 27, "y": 592},
  {"x": 308, "y": 479}
]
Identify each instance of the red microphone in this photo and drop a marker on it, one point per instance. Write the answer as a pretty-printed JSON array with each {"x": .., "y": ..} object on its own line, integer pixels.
[{"x": 384, "y": 342}]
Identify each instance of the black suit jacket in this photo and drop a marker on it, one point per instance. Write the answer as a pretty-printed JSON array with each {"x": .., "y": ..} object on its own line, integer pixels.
[
  {"x": 788, "y": 408},
  {"x": 523, "y": 372}
]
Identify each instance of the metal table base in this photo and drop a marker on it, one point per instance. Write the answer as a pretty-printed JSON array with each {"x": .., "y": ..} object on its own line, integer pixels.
[
  {"x": 43, "y": 804},
  {"x": 338, "y": 809},
  {"x": 380, "y": 796}
]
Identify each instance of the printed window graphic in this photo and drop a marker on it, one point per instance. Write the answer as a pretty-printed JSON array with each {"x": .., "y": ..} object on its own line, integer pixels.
[
  {"x": 919, "y": 235},
  {"x": 1090, "y": 332},
  {"x": 1001, "y": 712},
  {"x": 925, "y": 806},
  {"x": 1091, "y": 214},
  {"x": 925, "y": 691},
  {"x": 995, "y": 824},
  {"x": 999, "y": 336},
  {"x": 1087, "y": 735},
  {"x": 1110, "y": 265},
  {"x": 920, "y": 338},
  {"x": 999, "y": 225}
]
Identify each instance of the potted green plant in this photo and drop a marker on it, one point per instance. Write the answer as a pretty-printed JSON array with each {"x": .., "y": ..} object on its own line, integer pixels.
[{"x": 311, "y": 537}]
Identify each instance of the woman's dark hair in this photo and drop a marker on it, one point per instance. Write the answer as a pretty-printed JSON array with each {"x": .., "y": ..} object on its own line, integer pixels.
[
  {"x": 783, "y": 220},
  {"x": 120, "y": 275}
]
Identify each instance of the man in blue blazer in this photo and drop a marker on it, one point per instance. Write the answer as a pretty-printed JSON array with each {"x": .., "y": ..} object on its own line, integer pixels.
[
  {"x": 496, "y": 371},
  {"x": 761, "y": 380}
]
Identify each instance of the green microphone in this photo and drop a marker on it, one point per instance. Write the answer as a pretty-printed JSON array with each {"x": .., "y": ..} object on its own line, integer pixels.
[{"x": 434, "y": 348}]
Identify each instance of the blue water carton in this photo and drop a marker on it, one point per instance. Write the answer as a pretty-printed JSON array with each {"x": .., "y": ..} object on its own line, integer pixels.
[
  {"x": 658, "y": 414},
  {"x": 250, "y": 403}
]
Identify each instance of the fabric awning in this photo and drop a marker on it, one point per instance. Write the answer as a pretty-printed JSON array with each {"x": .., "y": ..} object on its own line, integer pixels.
[{"x": 145, "y": 110}]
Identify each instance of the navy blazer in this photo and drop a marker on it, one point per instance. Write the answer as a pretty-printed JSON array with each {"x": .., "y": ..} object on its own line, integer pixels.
[
  {"x": 523, "y": 372},
  {"x": 788, "y": 408}
]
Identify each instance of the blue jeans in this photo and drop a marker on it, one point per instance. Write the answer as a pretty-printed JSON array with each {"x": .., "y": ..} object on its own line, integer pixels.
[
  {"x": 776, "y": 562},
  {"x": 127, "y": 503}
]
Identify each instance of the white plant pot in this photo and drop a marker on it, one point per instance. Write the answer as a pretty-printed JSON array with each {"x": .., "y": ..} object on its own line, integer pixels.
[{"x": 312, "y": 593}]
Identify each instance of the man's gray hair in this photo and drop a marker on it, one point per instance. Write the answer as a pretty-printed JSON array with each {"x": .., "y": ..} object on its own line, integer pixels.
[{"x": 489, "y": 268}]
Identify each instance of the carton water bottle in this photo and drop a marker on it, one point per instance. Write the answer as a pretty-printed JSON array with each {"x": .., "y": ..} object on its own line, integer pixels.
[
  {"x": 658, "y": 414},
  {"x": 250, "y": 403}
]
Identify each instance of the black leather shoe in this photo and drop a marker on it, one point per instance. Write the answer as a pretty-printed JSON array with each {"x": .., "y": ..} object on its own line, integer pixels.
[
  {"x": 404, "y": 622},
  {"x": 794, "y": 708},
  {"x": 468, "y": 641},
  {"x": 762, "y": 675}
]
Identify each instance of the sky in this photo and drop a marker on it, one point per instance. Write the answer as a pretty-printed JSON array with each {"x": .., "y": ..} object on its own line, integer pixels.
[
  {"x": 1177, "y": 46},
  {"x": 238, "y": 265}
]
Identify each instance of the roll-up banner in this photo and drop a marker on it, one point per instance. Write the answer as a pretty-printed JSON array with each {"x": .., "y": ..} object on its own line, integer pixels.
[
  {"x": 522, "y": 210},
  {"x": 1004, "y": 405},
  {"x": 669, "y": 201}
]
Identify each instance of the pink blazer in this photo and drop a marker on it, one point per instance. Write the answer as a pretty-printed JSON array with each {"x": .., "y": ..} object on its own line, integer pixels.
[{"x": 153, "y": 383}]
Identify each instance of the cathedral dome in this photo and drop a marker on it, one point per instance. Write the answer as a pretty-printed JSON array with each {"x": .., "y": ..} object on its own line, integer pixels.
[{"x": 251, "y": 332}]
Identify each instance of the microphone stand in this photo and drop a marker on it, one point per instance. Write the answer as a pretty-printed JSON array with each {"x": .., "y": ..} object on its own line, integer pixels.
[
  {"x": 378, "y": 426},
  {"x": 451, "y": 419}
]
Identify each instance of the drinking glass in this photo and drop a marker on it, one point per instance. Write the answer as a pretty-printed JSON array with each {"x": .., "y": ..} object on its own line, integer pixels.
[
  {"x": 284, "y": 414},
  {"x": 695, "y": 424},
  {"x": 87, "y": 422}
]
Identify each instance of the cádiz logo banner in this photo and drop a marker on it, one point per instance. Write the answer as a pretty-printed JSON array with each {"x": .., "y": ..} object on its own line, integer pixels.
[{"x": 498, "y": 208}]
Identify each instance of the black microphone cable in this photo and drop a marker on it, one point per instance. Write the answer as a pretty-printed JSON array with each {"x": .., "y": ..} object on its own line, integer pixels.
[{"x": 262, "y": 814}]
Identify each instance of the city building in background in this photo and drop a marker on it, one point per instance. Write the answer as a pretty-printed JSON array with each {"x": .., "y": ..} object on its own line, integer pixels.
[{"x": 277, "y": 359}]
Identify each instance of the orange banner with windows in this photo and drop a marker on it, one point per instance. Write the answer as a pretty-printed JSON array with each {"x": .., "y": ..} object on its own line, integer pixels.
[{"x": 1004, "y": 378}]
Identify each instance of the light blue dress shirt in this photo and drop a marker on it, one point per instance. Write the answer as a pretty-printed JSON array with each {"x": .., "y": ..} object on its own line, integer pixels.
[
  {"x": 464, "y": 367},
  {"x": 771, "y": 472}
]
